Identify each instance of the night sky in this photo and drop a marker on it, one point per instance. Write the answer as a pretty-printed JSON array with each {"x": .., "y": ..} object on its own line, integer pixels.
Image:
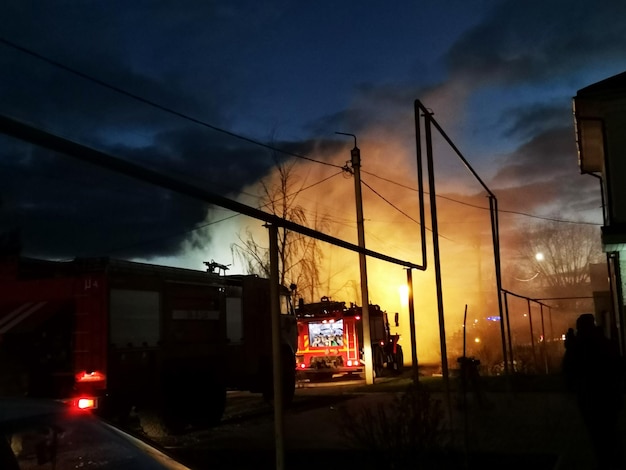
[{"x": 216, "y": 93}]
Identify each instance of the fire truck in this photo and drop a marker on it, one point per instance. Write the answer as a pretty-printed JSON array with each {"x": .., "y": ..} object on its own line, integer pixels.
[
  {"x": 330, "y": 340},
  {"x": 124, "y": 339}
]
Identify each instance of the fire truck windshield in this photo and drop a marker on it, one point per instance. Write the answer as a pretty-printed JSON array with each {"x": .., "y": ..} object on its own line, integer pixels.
[{"x": 325, "y": 334}]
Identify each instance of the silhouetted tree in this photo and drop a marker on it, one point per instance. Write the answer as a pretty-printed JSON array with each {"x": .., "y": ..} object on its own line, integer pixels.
[
  {"x": 299, "y": 256},
  {"x": 567, "y": 251}
]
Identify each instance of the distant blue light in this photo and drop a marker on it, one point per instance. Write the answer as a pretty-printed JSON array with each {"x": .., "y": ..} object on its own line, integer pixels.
[{"x": 496, "y": 318}]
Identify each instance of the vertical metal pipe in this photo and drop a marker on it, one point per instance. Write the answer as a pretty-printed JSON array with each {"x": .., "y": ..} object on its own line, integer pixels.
[
  {"x": 552, "y": 346},
  {"x": 614, "y": 292},
  {"x": 414, "y": 363},
  {"x": 420, "y": 181},
  {"x": 508, "y": 327},
  {"x": 435, "y": 233},
  {"x": 551, "y": 326},
  {"x": 543, "y": 343},
  {"x": 532, "y": 334},
  {"x": 465, "y": 332},
  {"x": 420, "y": 193},
  {"x": 276, "y": 359},
  {"x": 495, "y": 237}
]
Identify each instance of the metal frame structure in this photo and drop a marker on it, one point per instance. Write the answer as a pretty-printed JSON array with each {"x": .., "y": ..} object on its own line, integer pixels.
[{"x": 41, "y": 138}]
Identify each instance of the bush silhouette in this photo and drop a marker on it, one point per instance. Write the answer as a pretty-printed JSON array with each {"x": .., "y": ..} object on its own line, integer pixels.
[{"x": 408, "y": 429}]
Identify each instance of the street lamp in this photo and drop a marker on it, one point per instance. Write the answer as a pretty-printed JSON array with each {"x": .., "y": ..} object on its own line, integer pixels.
[
  {"x": 539, "y": 257},
  {"x": 403, "y": 290}
]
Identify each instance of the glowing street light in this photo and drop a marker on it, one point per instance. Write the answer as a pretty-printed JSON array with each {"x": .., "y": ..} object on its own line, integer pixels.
[{"x": 404, "y": 295}]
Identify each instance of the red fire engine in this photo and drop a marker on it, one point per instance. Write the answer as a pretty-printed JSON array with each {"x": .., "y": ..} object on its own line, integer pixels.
[
  {"x": 330, "y": 340},
  {"x": 115, "y": 336}
]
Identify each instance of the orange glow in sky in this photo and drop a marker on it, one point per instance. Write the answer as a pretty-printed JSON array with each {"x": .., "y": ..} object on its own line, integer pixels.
[{"x": 391, "y": 221}]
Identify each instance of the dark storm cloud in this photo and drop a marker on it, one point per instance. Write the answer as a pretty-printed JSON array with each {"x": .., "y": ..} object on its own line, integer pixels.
[
  {"x": 549, "y": 153},
  {"x": 189, "y": 59},
  {"x": 532, "y": 119},
  {"x": 541, "y": 52},
  {"x": 533, "y": 40},
  {"x": 543, "y": 175},
  {"x": 225, "y": 163},
  {"x": 65, "y": 208},
  {"x": 91, "y": 103},
  {"x": 116, "y": 214},
  {"x": 582, "y": 196},
  {"x": 348, "y": 120}
]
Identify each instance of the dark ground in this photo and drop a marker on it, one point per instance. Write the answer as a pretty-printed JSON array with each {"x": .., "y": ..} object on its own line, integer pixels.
[{"x": 525, "y": 423}]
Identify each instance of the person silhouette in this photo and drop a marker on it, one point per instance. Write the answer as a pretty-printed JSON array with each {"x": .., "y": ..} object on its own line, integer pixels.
[{"x": 594, "y": 372}]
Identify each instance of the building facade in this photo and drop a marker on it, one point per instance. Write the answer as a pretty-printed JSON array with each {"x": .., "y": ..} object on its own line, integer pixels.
[{"x": 600, "y": 125}]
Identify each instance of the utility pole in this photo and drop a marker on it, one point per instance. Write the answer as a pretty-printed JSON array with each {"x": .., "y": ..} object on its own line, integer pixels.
[
  {"x": 279, "y": 437},
  {"x": 355, "y": 154}
]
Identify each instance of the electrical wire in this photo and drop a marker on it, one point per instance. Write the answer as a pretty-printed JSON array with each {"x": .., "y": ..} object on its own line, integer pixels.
[
  {"x": 152, "y": 103},
  {"x": 213, "y": 222},
  {"x": 551, "y": 219},
  {"x": 398, "y": 209},
  {"x": 252, "y": 141}
]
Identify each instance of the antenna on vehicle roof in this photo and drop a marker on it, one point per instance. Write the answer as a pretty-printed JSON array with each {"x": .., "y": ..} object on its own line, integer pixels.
[{"x": 216, "y": 268}]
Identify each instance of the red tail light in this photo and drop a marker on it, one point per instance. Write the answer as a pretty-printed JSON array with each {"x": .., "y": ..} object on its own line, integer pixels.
[{"x": 86, "y": 403}]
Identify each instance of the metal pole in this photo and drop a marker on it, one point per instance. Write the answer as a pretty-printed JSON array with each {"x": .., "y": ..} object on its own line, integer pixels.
[
  {"x": 508, "y": 327},
  {"x": 435, "y": 238},
  {"x": 414, "y": 363},
  {"x": 495, "y": 235},
  {"x": 552, "y": 346},
  {"x": 465, "y": 333},
  {"x": 543, "y": 343},
  {"x": 355, "y": 154},
  {"x": 532, "y": 335},
  {"x": 551, "y": 326},
  {"x": 68, "y": 148},
  {"x": 276, "y": 359}
]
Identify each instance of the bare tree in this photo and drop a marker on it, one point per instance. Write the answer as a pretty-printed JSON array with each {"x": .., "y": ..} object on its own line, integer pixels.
[
  {"x": 299, "y": 256},
  {"x": 558, "y": 255},
  {"x": 255, "y": 257}
]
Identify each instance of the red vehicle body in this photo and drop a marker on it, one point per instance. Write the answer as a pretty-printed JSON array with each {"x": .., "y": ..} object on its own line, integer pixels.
[
  {"x": 117, "y": 336},
  {"x": 330, "y": 340}
]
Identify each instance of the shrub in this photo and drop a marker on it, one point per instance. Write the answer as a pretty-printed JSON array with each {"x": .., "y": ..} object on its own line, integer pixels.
[{"x": 408, "y": 429}]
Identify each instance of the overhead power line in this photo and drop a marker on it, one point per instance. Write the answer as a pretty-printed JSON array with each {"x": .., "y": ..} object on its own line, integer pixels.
[
  {"x": 551, "y": 219},
  {"x": 207, "y": 224},
  {"x": 154, "y": 104},
  {"x": 390, "y": 203},
  {"x": 166, "y": 109},
  {"x": 400, "y": 210},
  {"x": 39, "y": 137}
]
